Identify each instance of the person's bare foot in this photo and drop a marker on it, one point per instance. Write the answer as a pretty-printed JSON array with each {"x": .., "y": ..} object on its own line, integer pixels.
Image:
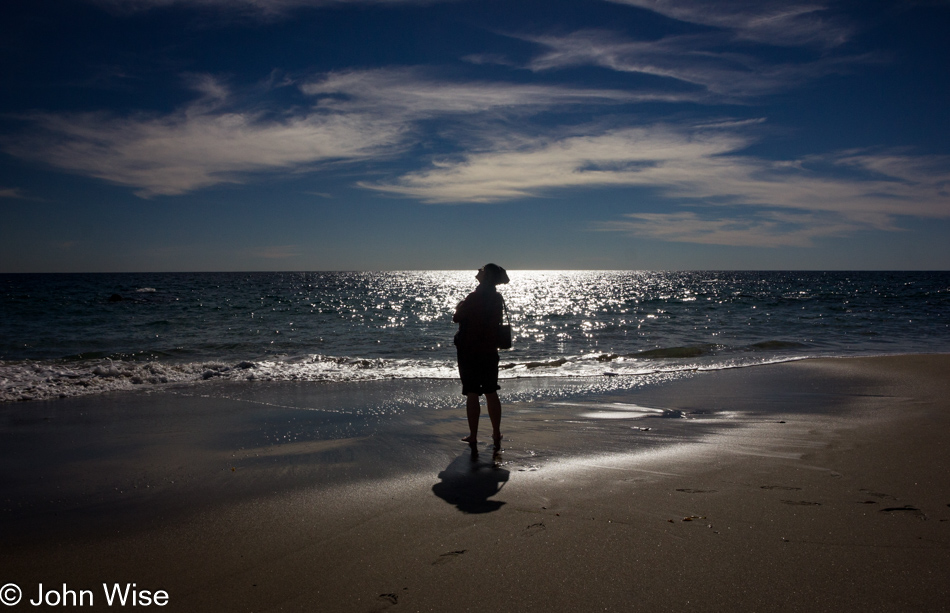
[
  {"x": 470, "y": 439},
  {"x": 496, "y": 438}
]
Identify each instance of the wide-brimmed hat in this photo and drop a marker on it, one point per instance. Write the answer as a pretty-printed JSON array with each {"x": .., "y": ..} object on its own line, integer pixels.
[{"x": 496, "y": 274}]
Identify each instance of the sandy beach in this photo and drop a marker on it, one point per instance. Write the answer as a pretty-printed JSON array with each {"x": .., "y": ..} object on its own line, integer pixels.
[{"x": 818, "y": 485}]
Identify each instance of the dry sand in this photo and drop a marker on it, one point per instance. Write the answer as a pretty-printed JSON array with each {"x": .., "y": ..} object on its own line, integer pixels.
[{"x": 828, "y": 491}]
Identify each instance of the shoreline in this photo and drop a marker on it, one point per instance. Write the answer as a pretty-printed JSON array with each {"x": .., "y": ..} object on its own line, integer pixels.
[
  {"x": 56, "y": 379},
  {"x": 809, "y": 485}
]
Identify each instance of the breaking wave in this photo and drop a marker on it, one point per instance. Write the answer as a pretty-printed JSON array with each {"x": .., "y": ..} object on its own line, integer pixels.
[{"x": 45, "y": 380}]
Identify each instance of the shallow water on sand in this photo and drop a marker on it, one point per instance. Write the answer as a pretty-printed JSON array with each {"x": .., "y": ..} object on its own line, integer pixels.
[{"x": 179, "y": 449}]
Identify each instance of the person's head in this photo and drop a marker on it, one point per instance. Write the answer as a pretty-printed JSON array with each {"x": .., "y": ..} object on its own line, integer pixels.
[{"x": 492, "y": 274}]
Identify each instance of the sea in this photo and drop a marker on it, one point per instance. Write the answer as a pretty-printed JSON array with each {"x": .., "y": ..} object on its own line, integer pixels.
[{"x": 65, "y": 335}]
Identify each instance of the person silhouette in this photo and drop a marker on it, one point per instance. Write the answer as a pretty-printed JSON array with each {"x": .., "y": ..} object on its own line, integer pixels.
[{"x": 478, "y": 317}]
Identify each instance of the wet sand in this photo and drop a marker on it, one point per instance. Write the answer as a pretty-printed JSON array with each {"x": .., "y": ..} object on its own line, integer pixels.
[{"x": 811, "y": 486}]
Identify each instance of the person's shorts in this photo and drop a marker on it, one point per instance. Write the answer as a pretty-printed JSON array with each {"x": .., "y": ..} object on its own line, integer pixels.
[{"x": 479, "y": 372}]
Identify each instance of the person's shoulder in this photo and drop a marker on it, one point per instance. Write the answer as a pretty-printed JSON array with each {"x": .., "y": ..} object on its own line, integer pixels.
[{"x": 496, "y": 300}]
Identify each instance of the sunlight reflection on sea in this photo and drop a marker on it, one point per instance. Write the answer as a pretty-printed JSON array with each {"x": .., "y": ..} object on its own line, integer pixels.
[{"x": 83, "y": 333}]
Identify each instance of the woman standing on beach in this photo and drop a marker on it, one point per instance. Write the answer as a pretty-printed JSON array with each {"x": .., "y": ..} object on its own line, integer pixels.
[{"x": 478, "y": 317}]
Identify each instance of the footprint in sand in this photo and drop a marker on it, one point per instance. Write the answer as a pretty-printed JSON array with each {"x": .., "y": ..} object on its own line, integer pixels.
[
  {"x": 687, "y": 490},
  {"x": 803, "y": 503},
  {"x": 878, "y": 495},
  {"x": 535, "y": 528},
  {"x": 908, "y": 509},
  {"x": 445, "y": 558},
  {"x": 786, "y": 488}
]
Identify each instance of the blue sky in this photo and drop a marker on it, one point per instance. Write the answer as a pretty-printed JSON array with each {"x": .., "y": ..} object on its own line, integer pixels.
[{"x": 166, "y": 135}]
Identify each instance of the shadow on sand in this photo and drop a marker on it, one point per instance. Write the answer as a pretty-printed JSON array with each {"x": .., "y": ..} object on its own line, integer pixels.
[{"x": 469, "y": 481}]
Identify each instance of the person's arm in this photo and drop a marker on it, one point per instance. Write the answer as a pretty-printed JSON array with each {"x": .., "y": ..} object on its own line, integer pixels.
[
  {"x": 460, "y": 311},
  {"x": 497, "y": 313}
]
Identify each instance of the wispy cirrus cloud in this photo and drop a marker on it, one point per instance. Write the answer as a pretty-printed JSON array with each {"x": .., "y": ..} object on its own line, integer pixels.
[
  {"x": 353, "y": 115},
  {"x": 518, "y": 168},
  {"x": 409, "y": 93},
  {"x": 788, "y": 202},
  {"x": 762, "y": 229},
  {"x": 12, "y": 192},
  {"x": 196, "y": 147},
  {"x": 697, "y": 61},
  {"x": 773, "y": 22}
]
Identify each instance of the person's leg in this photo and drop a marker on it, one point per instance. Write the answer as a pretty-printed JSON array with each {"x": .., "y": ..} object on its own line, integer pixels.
[
  {"x": 473, "y": 410},
  {"x": 494, "y": 414}
]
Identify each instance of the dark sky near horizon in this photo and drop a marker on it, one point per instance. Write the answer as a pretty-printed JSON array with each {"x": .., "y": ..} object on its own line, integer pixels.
[{"x": 167, "y": 135}]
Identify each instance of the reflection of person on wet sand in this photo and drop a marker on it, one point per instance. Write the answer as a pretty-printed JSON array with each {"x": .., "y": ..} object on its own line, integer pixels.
[{"x": 478, "y": 317}]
